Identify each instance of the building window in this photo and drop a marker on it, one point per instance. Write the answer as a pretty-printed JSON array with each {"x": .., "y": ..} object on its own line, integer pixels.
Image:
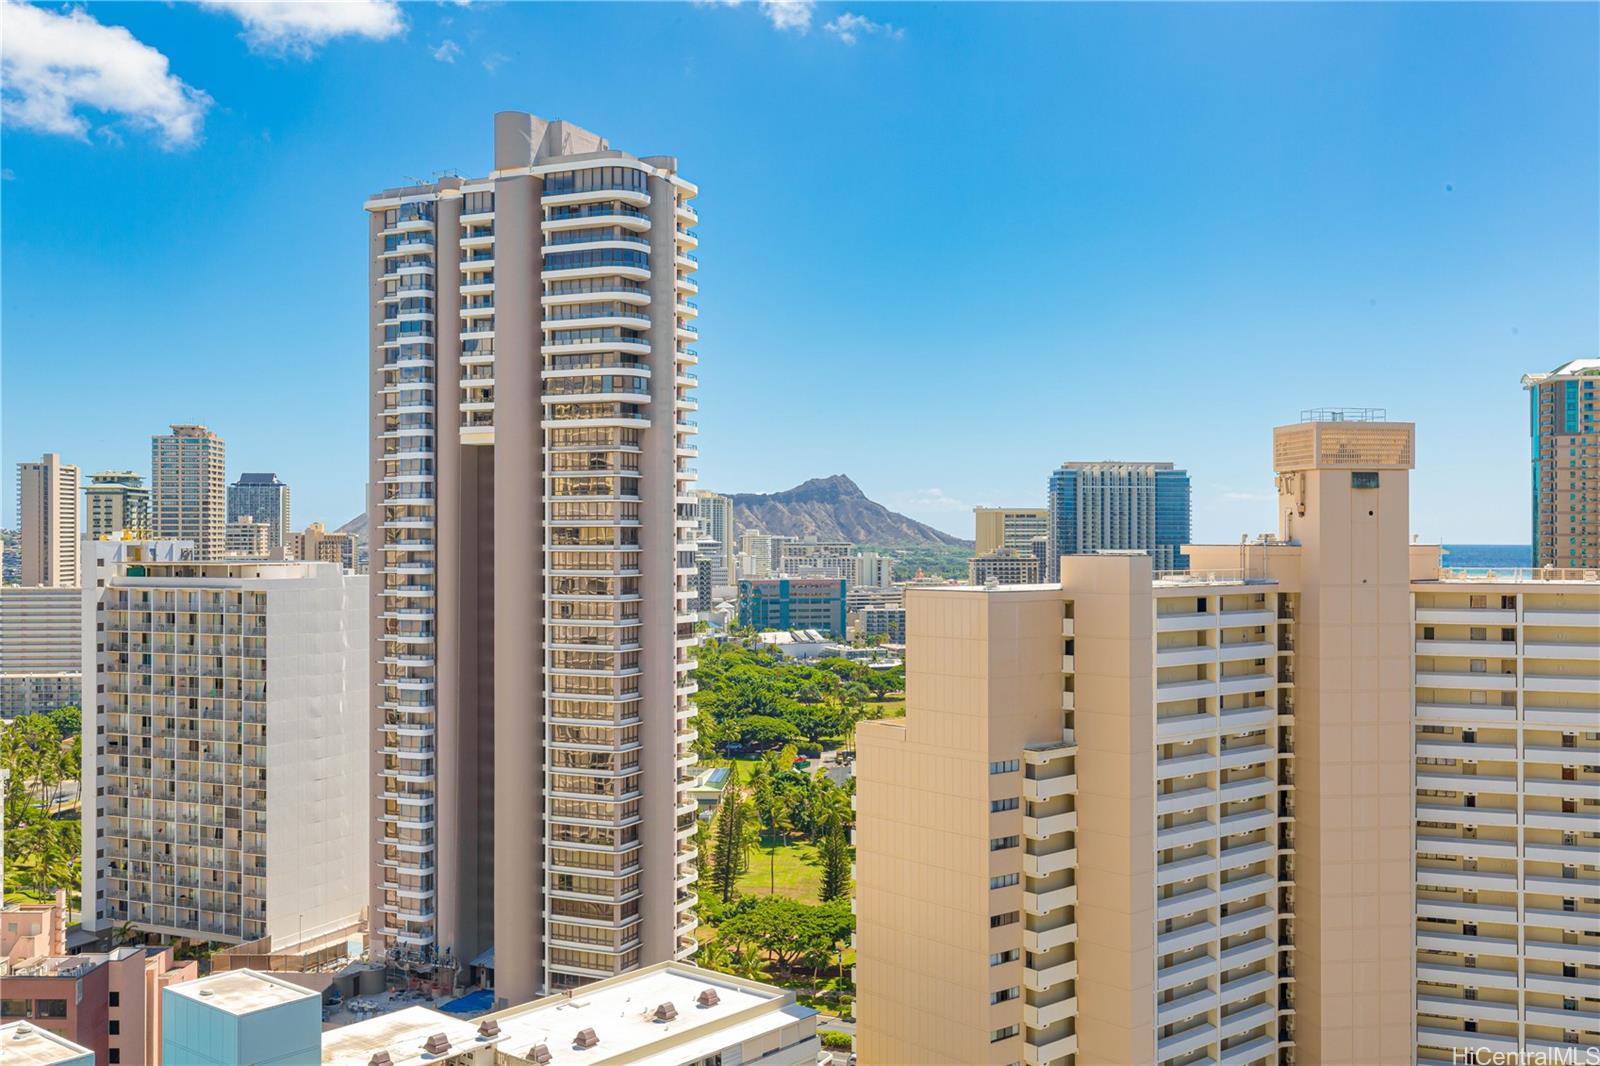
[
  {"x": 1003, "y": 843},
  {"x": 998, "y": 920},
  {"x": 13, "y": 1008},
  {"x": 1003, "y": 805},
  {"x": 1002, "y": 1034},
  {"x": 116, "y": 999},
  {"x": 116, "y": 1028},
  {"x": 1004, "y": 880},
  {"x": 115, "y": 1055},
  {"x": 1005, "y": 766},
  {"x": 49, "y": 1008},
  {"x": 1004, "y": 994},
  {"x": 1363, "y": 479},
  {"x": 1000, "y": 958}
]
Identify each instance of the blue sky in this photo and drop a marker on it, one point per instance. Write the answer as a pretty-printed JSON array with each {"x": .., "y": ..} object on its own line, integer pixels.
[{"x": 944, "y": 247}]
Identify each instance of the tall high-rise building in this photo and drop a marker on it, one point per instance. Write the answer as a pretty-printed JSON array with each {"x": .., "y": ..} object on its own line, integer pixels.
[
  {"x": 1008, "y": 527},
  {"x": 811, "y": 557},
  {"x": 266, "y": 499},
  {"x": 47, "y": 506},
  {"x": 117, "y": 502},
  {"x": 533, "y": 548},
  {"x": 225, "y": 728},
  {"x": 1315, "y": 800},
  {"x": 1118, "y": 506},
  {"x": 188, "y": 489},
  {"x": 716, "y": 523},
  {"x": 1564, "y": 420}
]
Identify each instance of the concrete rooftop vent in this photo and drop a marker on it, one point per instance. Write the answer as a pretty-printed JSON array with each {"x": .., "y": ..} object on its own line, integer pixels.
[
  {"x": 708, "y": 998},
  {"x": 489, "y": 1029},
  {"x": 539, "y": 1053},
  {"x": 585, "y": 1039},
  {"x": 666, "y": 1012},
  {"x": 380, "y": 1058},
  {"x": 437, "y": 1044},
  {"x": 207, "y": 992}
]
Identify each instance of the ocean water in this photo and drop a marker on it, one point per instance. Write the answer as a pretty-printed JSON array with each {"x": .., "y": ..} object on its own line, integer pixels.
[{"x": 1497, "y": 556}]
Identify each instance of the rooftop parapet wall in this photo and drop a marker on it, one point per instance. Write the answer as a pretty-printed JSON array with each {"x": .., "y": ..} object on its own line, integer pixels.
[{"x": 1342, "y": 444}]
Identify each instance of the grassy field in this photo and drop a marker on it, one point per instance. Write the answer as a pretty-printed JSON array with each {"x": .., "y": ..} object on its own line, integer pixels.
[
  {"x": 789, "y": 870},
  {"x": 894, "y": 707}
]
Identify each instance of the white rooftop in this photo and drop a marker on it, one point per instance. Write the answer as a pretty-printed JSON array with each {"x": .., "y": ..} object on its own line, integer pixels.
[
  {"x": 403, "y": 1034},
  {"x": 24, "y": 1044},
  {"x": 242, "y": 991},
  {"x": 622, "y": 1016}
]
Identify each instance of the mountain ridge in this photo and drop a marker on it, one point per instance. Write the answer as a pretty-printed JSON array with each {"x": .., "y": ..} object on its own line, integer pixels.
[
  {"x": 833, "y": 508},
  {"x": 828, "y": 508}
]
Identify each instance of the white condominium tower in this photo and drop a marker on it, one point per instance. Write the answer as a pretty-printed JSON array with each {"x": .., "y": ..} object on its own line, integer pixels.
[
  {"x": 224, "y": 717},
  {"x": 533, "y": 551},
  {"x": 1315, "y": 801}
]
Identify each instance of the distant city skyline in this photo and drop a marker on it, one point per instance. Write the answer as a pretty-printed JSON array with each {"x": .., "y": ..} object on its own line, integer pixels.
[{"x": 1274, "y": 208}]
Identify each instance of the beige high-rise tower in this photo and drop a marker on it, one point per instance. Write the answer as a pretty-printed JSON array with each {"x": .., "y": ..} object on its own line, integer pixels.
[
  {"x": 188, "y": 489},
  {"x": 47, "y": 505},
  {"x": 533, "y": 543},
  {"x": 1277, "y": 808}
]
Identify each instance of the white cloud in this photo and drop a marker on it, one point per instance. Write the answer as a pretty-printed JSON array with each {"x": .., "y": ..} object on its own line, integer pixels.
[
  {"x": 934, "y": 499},
  {"x": 850, "y": 28},
  {"x": 52, "y": 64},
  {"x": 301, "y": 26},
  {"x": 447, "y": 52},
  {"x": 789, "y": 14}
]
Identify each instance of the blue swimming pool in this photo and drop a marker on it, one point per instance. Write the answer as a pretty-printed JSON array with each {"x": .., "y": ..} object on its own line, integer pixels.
[{"x": 474, "y": 1002}]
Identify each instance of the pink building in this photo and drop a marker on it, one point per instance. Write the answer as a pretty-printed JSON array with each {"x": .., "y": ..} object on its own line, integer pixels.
[{"x": 108, "y": 1002}]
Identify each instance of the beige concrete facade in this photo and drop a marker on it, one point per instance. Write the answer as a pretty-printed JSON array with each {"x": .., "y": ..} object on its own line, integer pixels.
[
  {"x": 188, "y": 489},
  {"x": 1008, "y": 527},
  {"x": 246, "y": 538},
  {"x": 47, "y": 507},
  {"x": 1507, "y": 746},
  {"x": 533, "y": 632},
  {"x": 1003, "y": 566},
  {"x": 1283, "y": 847},
  {"x": 318, "y": 545}
]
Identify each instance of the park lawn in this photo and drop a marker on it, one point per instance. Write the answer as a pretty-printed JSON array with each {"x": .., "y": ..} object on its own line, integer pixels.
[
  {"x": 791, "y": 870},
  {"x": 895, "y": 707}
]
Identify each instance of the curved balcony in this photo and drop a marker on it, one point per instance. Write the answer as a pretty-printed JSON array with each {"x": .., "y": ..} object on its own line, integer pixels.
[{"x": 580, "y": 216}]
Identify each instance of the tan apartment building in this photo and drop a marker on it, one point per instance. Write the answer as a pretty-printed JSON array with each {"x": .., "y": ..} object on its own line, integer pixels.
[
  {"x": 246, "y": 538},
  {"x": 188, "y": 489},
  {"x": 533, "y": 533},
  {"x": 225, "y": 757},
  {"x": 1564, "y": 422},
  {"x": 47, "y": 508},
  {"x": 1008, "y": 527},
  {"x": 318, "y": 545},
  {"x": 117, "y": 502},
  {"x": 1175, "y": 817},
  {"x": 1507, "y": 718},
  {"x": 1003, "y": 566}
]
